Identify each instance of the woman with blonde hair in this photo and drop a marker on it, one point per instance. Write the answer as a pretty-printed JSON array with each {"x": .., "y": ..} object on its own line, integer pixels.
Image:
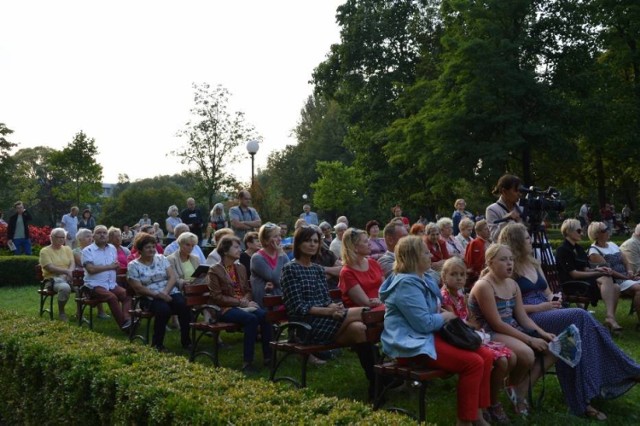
[
  {"x": 412, "y": 319},
  {"x": 360, "y": 276},
  {"x": 267, "y": 263},
  {"x": 573, "y": 264},
  {"x": 464, "y": 236},
  {"x": 608, "y": 369},
  {"x": 171, "y": 222},
  {"x": 495, "y": 304},
  {"x": 607, "y": 253},
  {"x": 459, "y": 214}
]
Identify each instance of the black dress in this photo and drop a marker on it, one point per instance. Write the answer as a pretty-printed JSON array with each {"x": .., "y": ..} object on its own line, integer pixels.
[{"x": 305, "y": 287}]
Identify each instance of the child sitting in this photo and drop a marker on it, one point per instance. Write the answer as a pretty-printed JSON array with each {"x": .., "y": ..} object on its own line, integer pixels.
[{"x": 454, "y": 277}]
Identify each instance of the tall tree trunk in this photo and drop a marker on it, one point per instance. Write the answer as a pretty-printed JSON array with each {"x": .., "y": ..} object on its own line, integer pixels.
[
  {"x": 600, "y": 177},
  {"x": 527, "y": 177}
]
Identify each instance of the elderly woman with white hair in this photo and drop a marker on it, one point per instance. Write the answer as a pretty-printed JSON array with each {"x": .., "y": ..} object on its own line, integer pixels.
[
  {"x": 464, "y": 236},
  {"x": 336, "y": 244},
  {"x": 217, "y": 218},
  {"x": 57, "y": 265},
  {"x": 436, "y": 245},
  {"x": 446, "y": 233},
  {"x": 183, "y": 261},
  {"x": 607, "y": 253},
  {"x": 573, "y": 264},
  {"x": 171, "y": 222}
]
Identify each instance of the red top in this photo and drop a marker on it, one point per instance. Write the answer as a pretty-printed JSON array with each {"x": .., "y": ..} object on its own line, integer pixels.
[
  {"x": 370, "y": 281},
  {"x": 438, "y": 251},
  {"x": 474, "y": 256}
]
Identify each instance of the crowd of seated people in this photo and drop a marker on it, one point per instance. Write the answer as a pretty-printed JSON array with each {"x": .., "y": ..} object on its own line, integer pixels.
[{"x": 423, "y": 275}]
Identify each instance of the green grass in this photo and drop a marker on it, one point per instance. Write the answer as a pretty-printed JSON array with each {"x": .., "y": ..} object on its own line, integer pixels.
[{"x": 343, "y": 376}]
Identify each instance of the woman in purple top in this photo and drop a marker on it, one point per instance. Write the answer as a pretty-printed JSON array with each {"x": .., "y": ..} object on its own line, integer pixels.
[{"x": 376, "y": 244}]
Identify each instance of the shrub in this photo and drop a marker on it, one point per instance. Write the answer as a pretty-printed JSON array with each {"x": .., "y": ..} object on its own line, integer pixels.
[
  {"x": 39, "y": 235},
  {"x": 18, "y": 270},
  {"x": 55, "y": 374}
]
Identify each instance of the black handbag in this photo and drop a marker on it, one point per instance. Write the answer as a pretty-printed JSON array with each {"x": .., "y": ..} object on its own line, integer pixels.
[{"x": 457, "y": 333}]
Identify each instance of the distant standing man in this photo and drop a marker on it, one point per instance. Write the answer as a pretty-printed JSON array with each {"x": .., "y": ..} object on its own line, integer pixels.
[
  {"x": 243, "y": 217},
  {"x": 100, "y": 261},
  {"x": 192, "y": 216},
  {"x": 583, "y": 216},
  {"x": 18, "y": 231},
  {"x": 310, "y": 217},
  {"x": 144, "y": 220},
  {"x": 70, "y": 225}
]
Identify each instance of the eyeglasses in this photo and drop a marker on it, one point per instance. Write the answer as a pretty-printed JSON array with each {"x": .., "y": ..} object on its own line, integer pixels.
[
  {"x": 603, "y": 230},
  {"x": 579, "y": 230}
]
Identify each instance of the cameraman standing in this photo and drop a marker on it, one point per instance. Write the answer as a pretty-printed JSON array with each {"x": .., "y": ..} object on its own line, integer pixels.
[{"x": 506, "y": 209}]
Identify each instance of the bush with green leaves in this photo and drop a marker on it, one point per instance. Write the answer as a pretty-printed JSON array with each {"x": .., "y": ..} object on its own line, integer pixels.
[
  {"x": 18, "y": 270},
  {"x": 55, "y": 374}
]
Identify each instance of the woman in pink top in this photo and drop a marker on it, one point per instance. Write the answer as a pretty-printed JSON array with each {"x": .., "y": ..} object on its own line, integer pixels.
[{"x": 361, "y": 276}]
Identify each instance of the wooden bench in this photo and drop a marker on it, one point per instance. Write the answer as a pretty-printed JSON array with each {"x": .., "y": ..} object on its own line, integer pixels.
[
  {"x": 197, "y": 297},
  {"x": 374, "y": 320},
  {"x": 286, "y": 344},
  {"x": 46, "y": 293},
  {"x": 84, "y": 298}
]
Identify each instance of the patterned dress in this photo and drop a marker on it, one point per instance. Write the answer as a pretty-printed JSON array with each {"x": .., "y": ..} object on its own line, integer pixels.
[
  {"x": 604, "y": 371},
  {"x": 305, "y": 287},
  {"x": 505, "y": 310},
  {"x": 456, "y": 301}
]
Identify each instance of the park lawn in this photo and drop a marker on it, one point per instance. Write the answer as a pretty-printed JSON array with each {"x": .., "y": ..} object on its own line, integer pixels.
[{"x": 343, "y": 377}]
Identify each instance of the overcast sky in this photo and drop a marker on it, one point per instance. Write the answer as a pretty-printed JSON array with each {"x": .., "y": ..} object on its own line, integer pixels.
[{"x": 122, "y": 71}]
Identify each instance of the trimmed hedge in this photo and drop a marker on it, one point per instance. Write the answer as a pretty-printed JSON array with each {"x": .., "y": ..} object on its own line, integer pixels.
[
  {"x": 18, "y": 270},
  {"x": 52, "y": 373}
]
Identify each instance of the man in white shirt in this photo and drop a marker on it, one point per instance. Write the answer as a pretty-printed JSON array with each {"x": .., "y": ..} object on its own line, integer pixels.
[
  {"x": 70, "y": 224},
  {"x": 100, "y": 261}
]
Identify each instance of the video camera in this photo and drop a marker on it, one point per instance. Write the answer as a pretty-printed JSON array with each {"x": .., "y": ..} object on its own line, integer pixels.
[{"x": 537, "y": 201}]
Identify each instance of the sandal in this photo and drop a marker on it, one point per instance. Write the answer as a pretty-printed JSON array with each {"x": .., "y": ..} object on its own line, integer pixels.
[
  {"x": 497, "y": 414},
  {"x": 520, "y": 405},
  {"x": 594, "y": 413}
]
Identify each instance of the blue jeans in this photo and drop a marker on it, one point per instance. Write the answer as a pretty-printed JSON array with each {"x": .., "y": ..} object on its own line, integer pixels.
[
  {"x": 23, "y": 246},
  {"x": 250, "y": 322},
  {"x": 162, "y": 311}
]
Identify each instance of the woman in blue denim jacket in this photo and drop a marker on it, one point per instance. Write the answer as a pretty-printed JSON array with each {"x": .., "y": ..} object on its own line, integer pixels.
[{"x": 412, "y": 318}]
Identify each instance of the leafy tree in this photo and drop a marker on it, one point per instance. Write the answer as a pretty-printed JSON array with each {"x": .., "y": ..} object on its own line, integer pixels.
[
  {"x": 213, "y": 137},
  {"x": 5, "y": 147},
  {"x": 33, "y": 182},
  {"x": 383, "y": 45},
  {"x": 291, "y": 171},
  {"x": 152, "y": 196},
  {"x": 339, "y": 190},
  {"x": 78, "y": 175}
]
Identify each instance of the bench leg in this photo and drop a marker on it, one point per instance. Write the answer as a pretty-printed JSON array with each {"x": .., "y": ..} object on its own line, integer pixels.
[
  {"x": 305, "y": 363},
  {"x": 50, "y": 307},
  {"x": 422, "y": 408}
]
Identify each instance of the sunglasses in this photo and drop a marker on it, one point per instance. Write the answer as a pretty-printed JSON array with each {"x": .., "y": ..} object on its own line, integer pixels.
[{"x": 603, "y": 230}]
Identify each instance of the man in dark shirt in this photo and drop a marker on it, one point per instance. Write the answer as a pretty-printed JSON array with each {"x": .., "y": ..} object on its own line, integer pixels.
[
  {"x": 18, "y": 231},
  {"x": 192, "y": 216}
]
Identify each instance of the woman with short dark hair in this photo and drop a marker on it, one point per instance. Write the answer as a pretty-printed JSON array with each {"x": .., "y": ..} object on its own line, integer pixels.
[
  {"x": 152, "y": 277},
  {"x": 230, "y": 289},
  {"x": 377, "y": 245}
]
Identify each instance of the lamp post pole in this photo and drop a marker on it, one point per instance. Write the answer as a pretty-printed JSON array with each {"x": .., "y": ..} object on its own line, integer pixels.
[{"x": 252, "y": 148}]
